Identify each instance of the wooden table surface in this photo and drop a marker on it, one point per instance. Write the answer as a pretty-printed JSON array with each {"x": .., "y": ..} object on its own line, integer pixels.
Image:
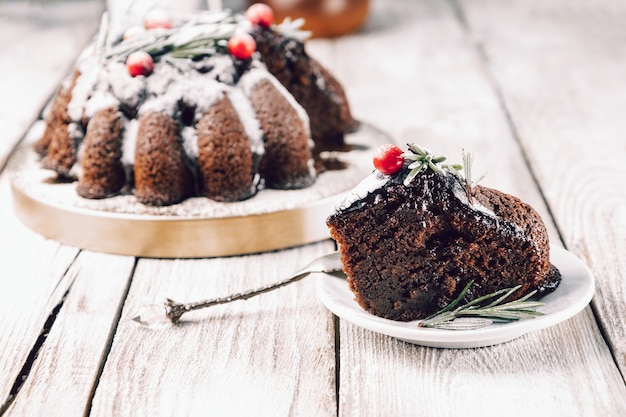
[{"x": 536, "y": 87}]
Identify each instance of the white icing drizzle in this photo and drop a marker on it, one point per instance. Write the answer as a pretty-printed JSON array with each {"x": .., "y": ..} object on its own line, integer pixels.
[
  {"x": 99, "y": 100},
  {"x": 371, "y": 183},
  {"x": 202, "y": 93},
  {"x": 129, "y": 141},
  {"x": 128, "y": 90},
  {"x": 174, "y": 87},
  {"x": 85, "y": 83},
  {"x": 459, "y": 192},
  {"x": 75, "y": 132},
  {"x": 163, "y": 91},
  {"x": 190, "y": 142},
  {"x": 257, "y": 74},
  {"x": 376, "y": 180},
  {"x": 248, "y": 119}
]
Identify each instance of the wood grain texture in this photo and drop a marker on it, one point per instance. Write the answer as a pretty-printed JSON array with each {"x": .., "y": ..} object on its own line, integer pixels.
[
  {"x": 539, "y": 374},
  {"x": 39, "y": 42},
  {"x": 68, "y": 364},
  {"x": 563, "y": 85},
  {"x": 268, "y": 356},
  {"x": 494, "y": 77},
  {"x": 33, "y": 281},
  {"x": 424, "y": 80}
]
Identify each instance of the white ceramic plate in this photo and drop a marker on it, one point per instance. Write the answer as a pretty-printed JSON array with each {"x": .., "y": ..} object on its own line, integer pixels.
[{"x": 571, "y": 296}]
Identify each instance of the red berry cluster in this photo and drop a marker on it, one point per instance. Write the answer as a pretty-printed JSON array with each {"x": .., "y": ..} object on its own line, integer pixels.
[
  {"x": 260, "y": 14},
  {"x": 242, "y": 45},
  {"x": 388, "y": 159},
  {"x": 157, "y": 19},
  {"x": 140, "y": 62}
]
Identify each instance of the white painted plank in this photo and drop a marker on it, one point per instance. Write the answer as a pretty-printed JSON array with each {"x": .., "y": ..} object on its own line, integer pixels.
[
  {"x": 37, "y": 46},
  {"x": 61, "y": 380},
  {"x": 419, "y": 77},
  {"x": 540, "y": 374},
  {"x": 268, "y": 356},
  {"x": 564, "y": 85},
  {"x": 32, "y": 281},
  {"x": 39, "y": 42}
]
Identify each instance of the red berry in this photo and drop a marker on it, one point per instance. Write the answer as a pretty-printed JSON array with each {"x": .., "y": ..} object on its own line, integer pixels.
[
  {"x": 139, "y": 63},
  {"x": 241, "y": 46},
  {"x": 157, "y": 18},
  {"x": 133, "y": 31},
  {"x": 388, "y": 159},
  {"x": 260, "y": 14}
]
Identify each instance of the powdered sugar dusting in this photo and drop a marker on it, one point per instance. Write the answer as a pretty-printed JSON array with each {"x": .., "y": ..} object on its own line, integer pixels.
[
  {"x": 89, "y": 70},
  {"x": 370, "y": 184},
  {"x": 255, "y": 75},
  {"x": 99, "y": 100},
  {"x": 129, "y": 141},
  {"x": 459, "y": 192},
  {"x": 27, "y": 174},
  {"x": 248, "y": 119},
  {"x": 190, "y": 142}
]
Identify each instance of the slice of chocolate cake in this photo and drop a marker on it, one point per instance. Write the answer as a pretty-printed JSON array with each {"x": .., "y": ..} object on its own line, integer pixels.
[{"x": 414, "y": 235}]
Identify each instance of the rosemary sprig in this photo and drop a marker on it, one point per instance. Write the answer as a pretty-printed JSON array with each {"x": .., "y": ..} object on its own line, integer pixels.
[
  {"x": 194, "y": 39},
  {"x": 473, "y": 315},
  {"x": 422, "y": 158},
  {"x": 204, "y": 34},
  {"x": 469, "y": 183}
]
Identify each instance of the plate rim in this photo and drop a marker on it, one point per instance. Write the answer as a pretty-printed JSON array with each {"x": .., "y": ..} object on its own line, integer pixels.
[{"x": 583, "y": 288}]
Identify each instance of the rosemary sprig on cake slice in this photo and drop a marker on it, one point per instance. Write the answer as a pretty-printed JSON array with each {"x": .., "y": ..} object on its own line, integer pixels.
[
  {"x": 473, "y": 315},
  {"x": 469, "y": 183},
  {"x": 390, "y": 159},
  {"x": 422, "y": 158}
]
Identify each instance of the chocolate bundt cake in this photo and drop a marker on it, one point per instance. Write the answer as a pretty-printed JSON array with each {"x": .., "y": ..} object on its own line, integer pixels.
[
  {"x": 414, "y": 235},
  {"x": 218, "y": 105}
]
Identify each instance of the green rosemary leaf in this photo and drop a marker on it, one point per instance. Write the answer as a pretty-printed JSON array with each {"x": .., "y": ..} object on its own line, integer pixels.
[
  {"x": 480, "y": 178},
  {"x": 458, "y": 299},
  {"x": 485, "y": 314},
  {"x": 465, "y": 323},
  {"x": 412, "y": 174},
  {"x": 200, "y": 35},
  {"x": 418, "y": 149},
  {"x": 503, "y": 297},
  {"x": 486, "y": 297},
  {"x": 435, "y": 168},
  {"x": 416, "y": 164}
]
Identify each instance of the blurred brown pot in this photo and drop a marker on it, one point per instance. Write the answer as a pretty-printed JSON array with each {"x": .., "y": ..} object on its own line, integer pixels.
[{"x": 324, "y": 18}]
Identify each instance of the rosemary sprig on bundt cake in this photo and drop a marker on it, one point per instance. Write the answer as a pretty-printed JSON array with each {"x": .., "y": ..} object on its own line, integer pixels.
[{"x": 204, "y": 34}]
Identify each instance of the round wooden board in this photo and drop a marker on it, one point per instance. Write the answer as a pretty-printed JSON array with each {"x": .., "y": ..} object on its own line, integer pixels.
[{"x": 195, "y": 228}]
